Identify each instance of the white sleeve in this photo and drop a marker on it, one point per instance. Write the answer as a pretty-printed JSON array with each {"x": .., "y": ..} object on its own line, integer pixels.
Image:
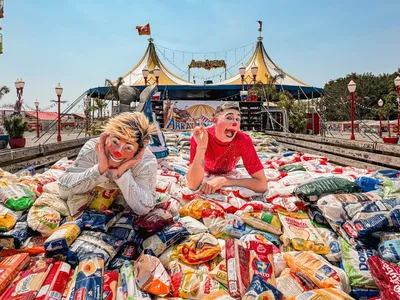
[
  {"x": 139, "y": 191},
  {"x": 84, "y": 174}
]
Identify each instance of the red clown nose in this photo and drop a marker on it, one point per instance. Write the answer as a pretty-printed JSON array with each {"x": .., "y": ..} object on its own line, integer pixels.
[{"x": 117, "y": 154}]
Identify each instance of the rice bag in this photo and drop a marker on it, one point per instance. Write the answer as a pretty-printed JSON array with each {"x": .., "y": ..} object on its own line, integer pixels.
[
  {"x": 296, "y": 178},
  {"x": 54, "y": 202},
  {"x": 110, "y": 282},
  {"x": 263, "y": 221},
  {"x": 198, "y": 248},
  {"x": 301, "y": 234},
  {"x": 168, "y": 236},
  {"x": 261, "y": 289},
  {"x": 99, "y": 221},
  {"x": 130, "y": 289},
  {"x": 327, "y": 293},
  {"x": 273, "y": 175},
  {"x": 28, "y": 282},
  {"x": 153, "y": 222},
  {"x": 15, "y": 238},
  {"x": 61, "y": 239},
  {"x": 291, "y": 168},
  {"x": 286, "y": 191},
  {"x": 55, "y": 282},
  {"x": 386, "y": 276},
  {"x": 194, "y": 208},
  {"x": 389, "y": 247},
  {"x": 192, "y": 225},
  {"x": 43, "y": 219},
  {"x": 354, "y": 209},
  {"x": 214, "y": 220},
  {"x": 261, "y": 262},
  {"x": 355, "y": 265},
  {"x": 330, "y": 238},
  {"x": 195, "y": 286},
  {"x": 237, "y": 267},
  {"x": 77, "y": 203},
  {"x": 103, "y": 198},
  {"x": 151, "y": 276},
  {"x": 51, "y": 188},
  {"x": 8, "y": 218},
  {"x": 322, "y": 273},
  {"x": 292, "y": 204},
  {"x": 91, "y": 242},
  {"x": 292, "y": 284},
  {"x": 366, "y": 223},
  {"x": 89, "y": 278},
  {"x": 315, "y": 189},
  {"x": 10, "y": 267},
  {"x": 17, "y": 197},
  {"x": 220, "y": 273},
  {"x": 218, "y": 295}
]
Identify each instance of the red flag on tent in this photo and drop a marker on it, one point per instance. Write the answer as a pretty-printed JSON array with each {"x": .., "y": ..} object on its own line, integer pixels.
[
  {"x": 144, "y": 30},
  {"x": 259, "y": 26}
]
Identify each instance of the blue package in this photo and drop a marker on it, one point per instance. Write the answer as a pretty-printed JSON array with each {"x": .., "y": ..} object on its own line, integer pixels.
[
  {"x": 16, "y": 237},
  {"x": 260, "y": 289},
  {"x": 364, "y": 294},
  {"x": 128, "y": 235},
  {"x": 367, "y": 184},
  {"x": 58, "y": 241},
  {"x": 353, "y": 209},
  {"x": 289, "y": 153},
  {"x": 390, "y": 250},
  {"x": 99, "y": 221},
  {"x": 89, "y": 279},
  {"x": 389, "y": 173}
]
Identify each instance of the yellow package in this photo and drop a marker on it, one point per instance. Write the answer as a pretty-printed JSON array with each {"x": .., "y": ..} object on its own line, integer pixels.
[
  {"x": 322, "y": 273},
  {"x": 323, "y": 294},
  {"x": 103, "y": 198},
  {"x": 264, "y": 221},
  {"x": 218, "y": 295},
  {"x": 301, "y": 234},
  {"x": 194, "y": 286},
  {"x": 220, "y": 274},
  {"x": 198, "y": 248},
  {"x": 3, "y": 183},
  {"x": 194, "y": 208},
  {"x": 63, "y": 237},
  {"x": 8, "y": 218}
]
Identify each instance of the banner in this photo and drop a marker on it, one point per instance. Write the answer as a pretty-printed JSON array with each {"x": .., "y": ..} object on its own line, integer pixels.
[
  {"x": 186, "y": 115},
  {"x": 144, "y": 30},
  {"x": 208, "y": 64}
]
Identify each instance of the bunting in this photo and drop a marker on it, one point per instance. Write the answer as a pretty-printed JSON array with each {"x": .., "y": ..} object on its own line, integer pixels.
[{"x": 144, "y": 30}]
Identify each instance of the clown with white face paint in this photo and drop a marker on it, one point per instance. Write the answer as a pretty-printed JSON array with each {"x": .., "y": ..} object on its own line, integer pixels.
[
  {"x": 216, "y": 150},
  {"x": 120, "y": 157}
]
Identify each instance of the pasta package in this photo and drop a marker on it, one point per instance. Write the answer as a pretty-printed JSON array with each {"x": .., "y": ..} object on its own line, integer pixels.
[
  {"x": 63, "y": 237},
  {"x": 263, "y": 221},
  {"x": 261, "y": 262},
  {"x": 10, "y": 267},
  {"x": 103, "y": 198},
  {"x": 198, "y": 248},
  {"x": 237, "y": 266},
  {"x": 55, "y": 283},
  {"x": 194, "y": 208},
  {"x": 89, "y": 279}
]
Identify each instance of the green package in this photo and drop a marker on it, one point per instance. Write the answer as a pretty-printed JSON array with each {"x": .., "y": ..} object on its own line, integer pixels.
[{"x": 17, "y": 197}]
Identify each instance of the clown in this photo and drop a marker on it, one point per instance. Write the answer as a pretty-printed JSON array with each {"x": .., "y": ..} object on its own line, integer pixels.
[
  {"x": 119, "y": 156},
  {"x": 216, "y": 151}
]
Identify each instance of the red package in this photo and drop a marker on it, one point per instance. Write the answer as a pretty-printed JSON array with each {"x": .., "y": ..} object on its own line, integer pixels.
[
  {"x": 225, "y": 206},
  {"x": 261, "y": 261},
  {"x": 68, "y": 286},
  {"x": 28, "y": 282},
  {"x": 386, "y": 276},
  {"x": 9, "y": 268},
  {"x": 237, "y": 267},
  {"x": 55, "y": 283},
  {"x": 110, "y": 281},
  {"x": 153, "y": 222}
]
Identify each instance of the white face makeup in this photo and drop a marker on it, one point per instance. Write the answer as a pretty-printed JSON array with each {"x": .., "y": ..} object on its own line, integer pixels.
[
  {"x": 227, "y": 124},
  {"x": 119, "y": 150}
]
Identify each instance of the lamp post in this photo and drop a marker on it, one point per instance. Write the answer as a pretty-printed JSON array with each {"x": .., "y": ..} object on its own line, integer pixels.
[
  {"x": 37, "y": 118},
  {"x": 352, "y": 87},
  {"x": 157, "y": 72},
  {"x": 59, "y": 91},
  {"x": 397, "y": 84},
  {"x": 380, "y": 104},
  {"x": 242, "y": 71},
  {"x": 19, "y": 85},
  {"x": 254, "y": 71},
  {"x": 145, "y": 73}
]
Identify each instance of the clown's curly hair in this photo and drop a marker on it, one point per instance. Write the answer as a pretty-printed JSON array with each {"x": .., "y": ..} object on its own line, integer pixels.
[{"x": 133, "y": 127}]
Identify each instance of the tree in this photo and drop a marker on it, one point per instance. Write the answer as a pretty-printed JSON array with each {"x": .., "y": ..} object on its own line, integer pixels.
[
  {"x": 4, "y": 90},
  {"x": 296, "y": 110},
  {"x": 100, "y": 106},
  {"x": 388, "y": 108},
  {"x": 267, "y": 91}
]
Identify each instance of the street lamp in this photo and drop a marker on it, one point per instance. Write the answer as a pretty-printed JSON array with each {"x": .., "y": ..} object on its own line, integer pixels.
[
  {"x": 59, "y": 91},
  {"x": 37, "y": 118},
  {"x": 145, "y": 73},
  {"x": 157, "y": 72},
  {"x": 242, "y": 71},
  {"x": 254, "y": 71},
  {"x": 19, "y": 85},
  {"x": 397, "y": 84},
  {"x": 380, "y": 104},
  {"x": 352, "y": 87}
]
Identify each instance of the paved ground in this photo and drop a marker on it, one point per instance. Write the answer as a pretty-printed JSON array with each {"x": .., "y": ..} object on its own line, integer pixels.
[
  {"x": 31, "y": 139},
  {"x": 359, "y": 137}
]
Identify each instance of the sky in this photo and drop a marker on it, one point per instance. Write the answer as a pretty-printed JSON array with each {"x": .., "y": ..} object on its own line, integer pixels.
[{"x": 79, "y": 43}]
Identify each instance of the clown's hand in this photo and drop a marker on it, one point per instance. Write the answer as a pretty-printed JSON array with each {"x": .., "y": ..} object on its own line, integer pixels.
[
  {"x": 131, "y": 163},
  {"x": 101, "y": 153},
  {"x": 200, "y": 135},
  {"x": 211, "y": 186}
]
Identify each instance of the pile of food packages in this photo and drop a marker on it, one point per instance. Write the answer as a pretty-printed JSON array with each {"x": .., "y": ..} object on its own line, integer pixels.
[{"x": 320, "y": 231}]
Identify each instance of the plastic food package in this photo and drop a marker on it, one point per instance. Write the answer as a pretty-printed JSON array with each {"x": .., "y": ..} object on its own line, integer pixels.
[
  {"x": 261, "y": 262},
  {"x": 51, "y": 188},
  {"x": 63, "y": 237},
  {"x": 195, "y": 286},
  {"x": 220, "y": 274},
  {"x": 15, "y": 238},
  {"x": 291, "y": 168},
  {"x": 91, "y": 242},
  {"x": 286, "y": 191},
  {"x": 130, "y": 289},
  {"x": 24, "y": 287},
  {"x": 55, "y": 282},
  {"x": 215, "y": 221},
  {"x": 313, "y": 190},
  {"x": 151, "y": 276},
  {"x": 389, "y": 249},
  {"x": 328, "y": 293},
  {"x": 17, "y": 197},
  {"x": 194, "y": 208},
  {"x": 237, "y": 267},
  {"x": 218, "y": 295},
  {"x": 68, "y": 287},
  {"x": 103, "y": 198},
  {"x": 110, "y": 282},
  {"x": 296, "y": 178},
  {"x": 261, "y": 289},
  {"x": 126, "y": 253},
  {"x": 322, "y": 273},
  {"x": 153, "y": 222},
  {"x": 198, "y": 248},
  {"x": 386, "y": 276},
  {"x": 54, "y": 202},
  {"x": 99, "y": 221},
  {"x": 301, "y": 234},
  {"x": 43, "y": 219},
  {"x": 355, "y": 265},
  {"x": 353, "y": 210},
  {"x": 292, "y": 284},
  {"x": 89, "y": 279},
  {"x": 8, "y": 218},
  {"x": 273, "y": 175},
  {"x": 292, "y": 204},
  {"x": 77, "y": 203},
  {"x": 172, "y": 206},
  {"x": 330, "y": 238},
  {"x": 10, "y": 267},
  {"x": 192, "y": 225},
  {"x": 168, "y": 236},
  {"x": 263, "y": 221}
]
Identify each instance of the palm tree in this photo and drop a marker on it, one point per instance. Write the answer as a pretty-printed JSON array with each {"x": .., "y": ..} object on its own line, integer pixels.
[
  {"x": 267, "y": 91},
  {"x": 99, "y": 105},
  {"x": 113, "y": 90},
  {"x": 4, "y": 90}
]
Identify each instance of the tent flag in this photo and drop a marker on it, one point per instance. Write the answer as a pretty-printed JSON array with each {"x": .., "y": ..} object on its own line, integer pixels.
[
  {"x": 259, "y": 26},
  {"x": 144, "y": 30}
]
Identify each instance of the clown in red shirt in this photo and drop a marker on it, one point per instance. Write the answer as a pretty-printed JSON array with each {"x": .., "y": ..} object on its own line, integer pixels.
[{"x": 217, "y": 150}]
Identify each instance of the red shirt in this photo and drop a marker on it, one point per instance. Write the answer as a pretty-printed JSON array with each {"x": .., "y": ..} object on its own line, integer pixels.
[{"x": 223, "y": 157}]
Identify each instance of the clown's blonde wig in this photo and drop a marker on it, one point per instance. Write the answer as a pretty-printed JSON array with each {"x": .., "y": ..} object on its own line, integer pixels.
[{"x": 133, "y": 127}]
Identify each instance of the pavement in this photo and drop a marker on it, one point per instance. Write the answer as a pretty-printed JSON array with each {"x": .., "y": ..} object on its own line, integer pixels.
[{"x": 364, "y": 137}]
